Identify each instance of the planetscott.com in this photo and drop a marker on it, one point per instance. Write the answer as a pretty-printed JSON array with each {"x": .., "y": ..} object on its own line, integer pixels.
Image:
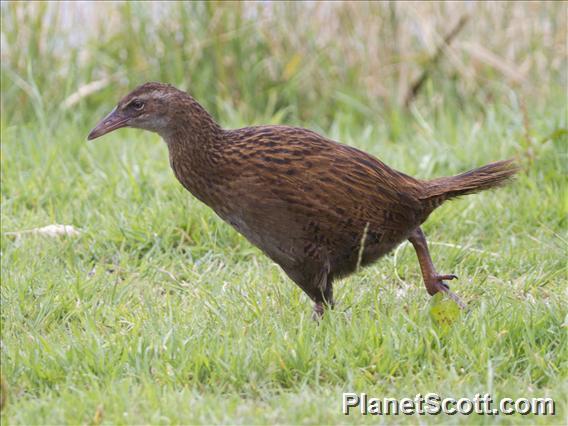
[{"x": 433, "y": 404}]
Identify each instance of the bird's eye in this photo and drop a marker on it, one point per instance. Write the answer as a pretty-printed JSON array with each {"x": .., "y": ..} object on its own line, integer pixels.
[{"x": 137, "y": 105}]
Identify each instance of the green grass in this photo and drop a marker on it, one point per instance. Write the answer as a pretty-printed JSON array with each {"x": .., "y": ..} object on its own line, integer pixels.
[{"x": 161, "y": 313}]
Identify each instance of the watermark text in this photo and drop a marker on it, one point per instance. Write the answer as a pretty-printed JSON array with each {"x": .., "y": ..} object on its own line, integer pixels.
[{"x": 433, "y": 404}]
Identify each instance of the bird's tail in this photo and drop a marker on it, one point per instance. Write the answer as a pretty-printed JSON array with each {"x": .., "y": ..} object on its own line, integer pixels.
[{"x": 492, "y": 175}]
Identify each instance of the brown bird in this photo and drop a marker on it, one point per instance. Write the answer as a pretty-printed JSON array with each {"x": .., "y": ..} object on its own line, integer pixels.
[{"x": 317, "y": 208}]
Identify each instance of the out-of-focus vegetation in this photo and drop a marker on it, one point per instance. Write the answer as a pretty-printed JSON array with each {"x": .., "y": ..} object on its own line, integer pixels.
[
  {"x": 157, "y": 312},
  {"x": 300, "y": 61}
]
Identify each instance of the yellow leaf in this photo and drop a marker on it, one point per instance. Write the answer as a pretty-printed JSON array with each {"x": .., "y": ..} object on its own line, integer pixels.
[
  {"x": 291, "y": 66},
  {"x": 444, "y": 310},
  {"x": 98, "y": 417}
]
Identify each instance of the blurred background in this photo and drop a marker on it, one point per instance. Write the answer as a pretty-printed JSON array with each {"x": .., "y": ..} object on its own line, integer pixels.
[
  {"x": 293, "y": 62},
  {"x": 156, "y": 312}
]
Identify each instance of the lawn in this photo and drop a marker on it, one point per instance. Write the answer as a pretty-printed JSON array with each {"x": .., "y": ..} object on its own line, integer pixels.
[{"x": 160, "y": 313}]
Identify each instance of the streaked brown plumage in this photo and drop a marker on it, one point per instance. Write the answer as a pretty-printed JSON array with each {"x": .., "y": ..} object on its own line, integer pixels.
[{"x": 306, "y": 201}]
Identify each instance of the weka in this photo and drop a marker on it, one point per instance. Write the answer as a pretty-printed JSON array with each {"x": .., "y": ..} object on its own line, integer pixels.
[{"x": 316, "y": 207}]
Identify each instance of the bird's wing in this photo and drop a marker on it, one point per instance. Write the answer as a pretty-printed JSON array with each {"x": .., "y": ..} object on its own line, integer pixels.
[{"x": 295, "y": 174}]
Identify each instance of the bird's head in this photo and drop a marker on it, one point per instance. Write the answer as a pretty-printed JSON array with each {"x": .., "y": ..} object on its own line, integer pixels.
[{"x": 147, "y": 107}]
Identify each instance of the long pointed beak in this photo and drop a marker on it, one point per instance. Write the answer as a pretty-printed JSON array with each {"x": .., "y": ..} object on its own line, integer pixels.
[{"x": 111, "y": 122}]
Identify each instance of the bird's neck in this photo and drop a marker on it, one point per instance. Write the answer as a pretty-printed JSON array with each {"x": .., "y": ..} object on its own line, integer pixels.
[
  {"x": 191, "y": 126},
  {"x": 195, "y": 142}
]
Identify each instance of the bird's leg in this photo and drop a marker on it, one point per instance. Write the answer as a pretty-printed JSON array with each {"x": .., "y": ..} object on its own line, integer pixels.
[{"x": 434, "y": 282}]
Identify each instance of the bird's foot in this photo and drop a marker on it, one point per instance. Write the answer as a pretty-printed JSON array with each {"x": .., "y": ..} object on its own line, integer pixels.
[
  {"x": 319, "y": 308},
  {"x": 436, "y": 284}
]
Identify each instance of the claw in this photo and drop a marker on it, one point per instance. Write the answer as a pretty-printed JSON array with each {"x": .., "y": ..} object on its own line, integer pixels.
[
  {"x": 436, "y": 286},
  {"x": 447, "y": 277}
]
